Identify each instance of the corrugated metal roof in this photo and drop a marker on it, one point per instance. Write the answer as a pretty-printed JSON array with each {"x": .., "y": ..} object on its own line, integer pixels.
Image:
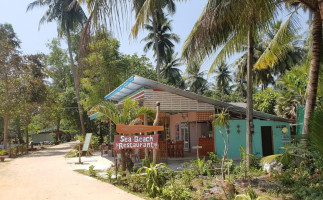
[{"x": 134, "y": 83}]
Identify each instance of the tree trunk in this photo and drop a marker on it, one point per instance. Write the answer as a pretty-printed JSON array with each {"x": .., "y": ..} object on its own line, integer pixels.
[
  {"x": 5, "y": 132},
  {"x": 312, "y": 84},
  {"x": 58, "y": 124},
  {"x": 76, "y": 81},
  {"x": 146, "y": 123},
  {"x": 123, "y": 161},
  {"x": 249, "y": 96},
  {"x": 27, "y": 138},
  {"x": 155, "y": 21},
  {"x": 155, "y": 132}
]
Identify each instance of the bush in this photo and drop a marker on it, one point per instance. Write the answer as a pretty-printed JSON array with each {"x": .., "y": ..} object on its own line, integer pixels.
[
  {"x": 92, "y": 171},
  {"x": 176, "y": 191},
  {"x": 156, "y": 177},
  {"x": 95, "y": 140},
  {"x": 187, "y": 177},
  {"x": 199, "y": 166},
  {"x": 3, "y": 152},
  {"x": 80, "y": 138},
  {"x": 135, "y": 182},
  {"x": 109, "y": 176}
]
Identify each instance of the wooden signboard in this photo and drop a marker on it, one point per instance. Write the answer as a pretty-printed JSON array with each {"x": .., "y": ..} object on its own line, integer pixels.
[
  {"x": 87, "y": 142},
  {"x": 131, "y": 129},
  {"x": 136, "y": 142}
]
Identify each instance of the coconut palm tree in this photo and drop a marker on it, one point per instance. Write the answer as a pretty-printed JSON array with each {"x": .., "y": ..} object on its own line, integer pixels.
[
  {"x": 165, "y": 39},
  {"x": 195, "y": 79},
  {"x": 311, "y": 91},
  {"x": 223, "y": 78},
  {"x": 219, "y": 26},
  {"x": 170, "y": 70},
  {"x": 145, "y": 9},
  {"x": 69, "y": 15}
]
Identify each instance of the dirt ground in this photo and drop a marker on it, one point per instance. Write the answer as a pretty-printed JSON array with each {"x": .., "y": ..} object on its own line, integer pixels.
[{"x": 46, "y": 175}]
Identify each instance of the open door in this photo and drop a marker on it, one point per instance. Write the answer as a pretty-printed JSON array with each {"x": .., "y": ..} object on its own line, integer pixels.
[
  {"x": 267, "y": 140},
  {"x": 185, "y": 135}
]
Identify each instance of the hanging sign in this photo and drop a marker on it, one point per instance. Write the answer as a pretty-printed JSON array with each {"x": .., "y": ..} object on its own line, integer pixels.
[
  {"x": 136, "y": 142},
  {"x": 128, "y": 129}
]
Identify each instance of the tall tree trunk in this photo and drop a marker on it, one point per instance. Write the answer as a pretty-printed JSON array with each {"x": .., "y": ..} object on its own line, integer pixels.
[
  {"x": 156, "y": 132},
  {"x": 146, "y": 123},
  {"x": 155, "y": 21},
  {"x": 58, "y": 126},
  {"x": 76, "y": 81},
  {"x": 249, "y": 96},
  {"x": 312, "y": 84},
  {"x": 5, "y": 132},
  {"x": 26, "y": 134}
]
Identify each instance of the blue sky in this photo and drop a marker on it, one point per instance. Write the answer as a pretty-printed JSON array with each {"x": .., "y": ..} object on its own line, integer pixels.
[{"x": 34, "y": 40}]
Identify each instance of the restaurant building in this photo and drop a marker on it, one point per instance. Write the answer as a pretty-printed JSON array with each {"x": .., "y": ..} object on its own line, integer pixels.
[{"x": 187, "y": 120}]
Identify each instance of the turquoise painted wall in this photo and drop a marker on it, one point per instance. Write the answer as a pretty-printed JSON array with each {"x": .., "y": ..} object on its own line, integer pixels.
[{"x": 237, "y": 137}]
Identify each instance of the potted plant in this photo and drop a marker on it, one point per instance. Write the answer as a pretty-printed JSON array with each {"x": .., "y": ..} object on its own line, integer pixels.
[{"x": 2, "y": 157}]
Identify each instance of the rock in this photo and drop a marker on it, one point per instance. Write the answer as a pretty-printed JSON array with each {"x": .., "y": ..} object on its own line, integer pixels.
[{"x": 274, "y": 165}]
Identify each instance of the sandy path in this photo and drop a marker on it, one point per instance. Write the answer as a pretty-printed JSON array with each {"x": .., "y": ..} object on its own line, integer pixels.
[{"x": 45, "y": 175}]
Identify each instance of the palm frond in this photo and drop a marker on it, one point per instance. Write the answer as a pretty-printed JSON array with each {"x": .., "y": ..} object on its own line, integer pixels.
[
  {"x": 233, "y": 45},
  {"x": 279, "y": 46},
  {"x": 219, "y": 20},
  {"x": 142, "y": 17},
  {"x": 271, "y": 158}
]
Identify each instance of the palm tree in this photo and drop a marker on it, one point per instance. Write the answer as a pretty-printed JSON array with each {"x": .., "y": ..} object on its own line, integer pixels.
[
  {"x": 69, "y": 15},
  {"x": 291, "y": 50},
  {"x": 170, "y": 70},
  {"x": 145, "y": 9},
  {"x": 223, "y": 78},
  {"x": 195, "y": 79},
  {"x": 128, "y": 114},
  {"x": 164, "y": 38},
  {"x": 311, "y": 90},
  {"x": 219, "y": 25}
]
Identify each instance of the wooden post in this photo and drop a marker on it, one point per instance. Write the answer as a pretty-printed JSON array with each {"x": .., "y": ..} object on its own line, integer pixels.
[
  {"x": 110, "y": 132},
  {"x": 156, "y": 132},
  {"x": 198, "y": 140},
  {"x": 80, "y": 154},
  {"x": 146, "y": 123}
]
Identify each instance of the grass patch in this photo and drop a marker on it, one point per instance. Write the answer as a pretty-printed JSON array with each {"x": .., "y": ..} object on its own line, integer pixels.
[
  {"x": 87, "y": 173},
  {"x": 72, "y": 154}
]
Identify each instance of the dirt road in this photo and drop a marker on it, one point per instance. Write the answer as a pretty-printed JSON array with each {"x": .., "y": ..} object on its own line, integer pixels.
[{"x": 45, "y": 175}]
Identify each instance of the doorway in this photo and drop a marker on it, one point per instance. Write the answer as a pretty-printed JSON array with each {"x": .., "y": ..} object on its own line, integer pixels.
[
  {"x": 185, "y": 135},
  {"x": 267, "y": 140}
]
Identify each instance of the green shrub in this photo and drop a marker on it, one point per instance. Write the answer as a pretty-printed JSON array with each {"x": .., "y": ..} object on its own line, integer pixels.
[
  {"x": 92, "y": 171},
  {"x": 72, "y": 153},
  {"x": 187, "y": 177},
  {"x": 284, "y": 178},
  {"x": 95, "y": 140},
  {"x": 214, "y": 158},
  {"x": 109, "y": 176},
  {"x": 174, "y": 191},
  {"x": 80, "y": 138},
  {"x": 3, "y": 152},
  {"x": 155, "y": 178},
  {"x": 199, "y": 166},
  {"x": 135, "y": 182},
  {"x": 145, "y": 162}
]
